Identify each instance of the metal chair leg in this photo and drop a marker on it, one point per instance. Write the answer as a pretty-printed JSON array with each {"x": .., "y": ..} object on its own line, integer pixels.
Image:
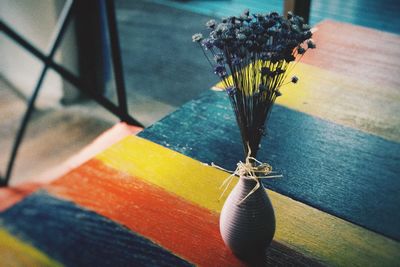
[
  {"x": 60, "y": 29},
  {"x": 116, "y": 55}
]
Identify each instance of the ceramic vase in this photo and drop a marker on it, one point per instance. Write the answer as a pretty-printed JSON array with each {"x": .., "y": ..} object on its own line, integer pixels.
[{"x": 249, "y": 227}]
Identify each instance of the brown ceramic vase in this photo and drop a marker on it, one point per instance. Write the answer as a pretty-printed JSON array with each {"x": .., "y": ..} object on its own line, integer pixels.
[{"x": 249, "y": 227}]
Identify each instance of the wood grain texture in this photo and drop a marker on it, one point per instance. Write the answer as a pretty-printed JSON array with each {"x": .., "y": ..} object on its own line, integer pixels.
[
  {"x": 180, "y": 226},
  {"x": 186, "y": 229},
  {"x": 358, "y": 52},
  {"x": 309, "y": 231},
  {"x": 357, "y": 102},
  {"x": 334, "y": 168},
  {"x": 78, "y": 237},
  {"x": 371, "y": 107},
  {"x": 16, "y": 253},
  {"x": 349, "y": 80}
]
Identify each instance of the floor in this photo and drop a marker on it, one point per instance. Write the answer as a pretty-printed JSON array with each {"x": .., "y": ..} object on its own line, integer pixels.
[
  {"x": 161, "y": 62},
  {"x": 53, "y": 135},
  {"x": 162, "y": 68}
]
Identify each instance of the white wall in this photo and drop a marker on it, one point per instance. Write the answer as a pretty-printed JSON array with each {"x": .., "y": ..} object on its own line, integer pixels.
[{"x": 35, "y": 20}]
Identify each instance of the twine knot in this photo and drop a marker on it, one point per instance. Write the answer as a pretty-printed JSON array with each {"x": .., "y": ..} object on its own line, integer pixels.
[{"x": 251, "y": 169}]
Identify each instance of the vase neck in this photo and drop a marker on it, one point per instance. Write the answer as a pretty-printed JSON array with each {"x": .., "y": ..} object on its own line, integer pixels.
[{"x": 250, "y": 183}]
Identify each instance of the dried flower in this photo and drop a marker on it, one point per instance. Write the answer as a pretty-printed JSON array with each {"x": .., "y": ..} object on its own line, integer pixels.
[
  {"x": 231, "y": 91},
  {"x": 211, "y": 24},
  {"x": 219, "y": 58},
  {"x": 197, "y": 37},
  {"x": 208, "y": 44},
  {"x": 236, "y": 61},
  {"x": 265, "y": 71},
  {"x": 274, "y": 14},
  {"x": 220, "y": 70},
  {"x": 311, "y": 44},
  {"x": 301, "y": 50},
  {"x": 241, "y": 37},
  {"x": 290, "y": 58},
  {"x": 306, "y": 27}
]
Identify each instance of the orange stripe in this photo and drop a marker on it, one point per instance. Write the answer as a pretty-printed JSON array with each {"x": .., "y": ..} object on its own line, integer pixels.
[{"x": 186, "y": 229}]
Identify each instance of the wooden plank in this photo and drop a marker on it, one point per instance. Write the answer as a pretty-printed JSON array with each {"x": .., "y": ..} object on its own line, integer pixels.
[
  {"x": 349, "y": 101},
  {"x": 347, "y": 80},
  {"x": 185, "y": 228},
  {"x": 78, "y": 237},
  {"x": 14, "y": 252},
  {"x": 364, "y": 54},
  {"x": 309, "y": 231},
  {"x": 334, "y": 168}
]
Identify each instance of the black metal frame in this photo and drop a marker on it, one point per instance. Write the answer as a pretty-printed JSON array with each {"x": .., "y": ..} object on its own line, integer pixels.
[{"x": 120, "y": 110}]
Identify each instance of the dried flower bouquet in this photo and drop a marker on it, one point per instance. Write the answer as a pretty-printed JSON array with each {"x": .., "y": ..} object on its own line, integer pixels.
[{"x": 253, "y": 56}]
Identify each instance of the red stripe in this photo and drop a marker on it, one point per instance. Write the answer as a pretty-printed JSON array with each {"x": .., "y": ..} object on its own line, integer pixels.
[
  {"x": 12, "y": 195},
  {"x": 185, "y": 229}
]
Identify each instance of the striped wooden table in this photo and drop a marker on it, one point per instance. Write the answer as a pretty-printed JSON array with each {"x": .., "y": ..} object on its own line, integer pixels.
[{"x": 149, "y": 200}]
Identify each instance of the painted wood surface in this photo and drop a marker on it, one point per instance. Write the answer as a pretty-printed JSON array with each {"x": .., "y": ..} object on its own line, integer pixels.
[
  {"x": 308, "y": 231},
  {"x": 381, "y": 15},
  {"x": 344, "y": 100},
  {"x": 181, "y": 226},
  {"x": 337, "y": 169},
  {"x": 366, "y": 55},
  {"x": 347, "y": 80},
  {"x": 78, "y": 237},
  {"x": 14, "y": 252}
]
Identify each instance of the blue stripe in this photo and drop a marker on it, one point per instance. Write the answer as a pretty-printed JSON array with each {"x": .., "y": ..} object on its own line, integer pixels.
[
  {"x": 340, "y": 170},
  {"x": 78, "y": 237}
]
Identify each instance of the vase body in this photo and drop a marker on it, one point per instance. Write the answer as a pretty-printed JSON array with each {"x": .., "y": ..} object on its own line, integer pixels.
[{"x": 249, "y": 227}]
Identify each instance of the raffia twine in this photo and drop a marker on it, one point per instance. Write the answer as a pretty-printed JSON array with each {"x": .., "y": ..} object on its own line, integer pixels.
[{"x": 251, "y": 169}]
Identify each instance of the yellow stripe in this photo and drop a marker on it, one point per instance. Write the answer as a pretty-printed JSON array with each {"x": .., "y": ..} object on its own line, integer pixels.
[
  {"x": 305, "y": 229},
  {"x": 14, "y": 252},
  {"x": 368, "y": 107}
]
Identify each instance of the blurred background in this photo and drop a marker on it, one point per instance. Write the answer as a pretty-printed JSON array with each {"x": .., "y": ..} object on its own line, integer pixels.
[{"x": 162, "y": 67}]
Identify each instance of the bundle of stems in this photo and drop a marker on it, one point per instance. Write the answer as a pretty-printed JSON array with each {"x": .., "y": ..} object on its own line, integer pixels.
[{"x": 253, "y": 56}]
